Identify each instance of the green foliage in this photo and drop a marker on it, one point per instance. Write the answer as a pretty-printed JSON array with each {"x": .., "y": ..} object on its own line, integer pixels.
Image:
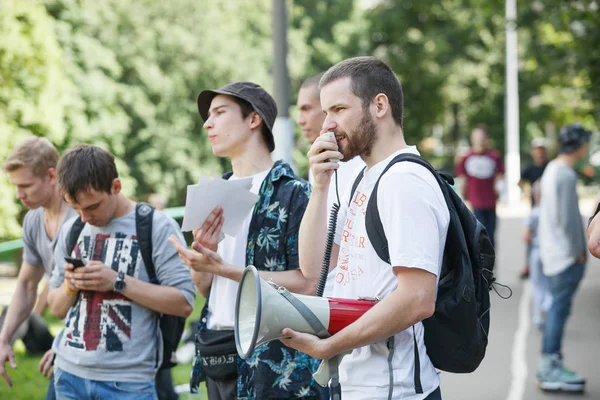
[
  {"x": 125, "y": 75},
  {"x": 32, "y": 89}
]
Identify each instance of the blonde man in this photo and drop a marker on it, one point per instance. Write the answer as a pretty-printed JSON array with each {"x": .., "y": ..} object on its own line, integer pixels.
[{"x": 31, "y": 168}]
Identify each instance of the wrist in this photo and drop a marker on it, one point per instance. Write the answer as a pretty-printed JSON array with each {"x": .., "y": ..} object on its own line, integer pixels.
[
  {"x": 326, "y": 349},
  {"x": 70, "y": 291},
  {"x": 4, "y": 341}
]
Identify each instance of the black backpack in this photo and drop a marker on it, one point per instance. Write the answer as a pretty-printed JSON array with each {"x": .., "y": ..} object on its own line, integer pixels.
[
  {"x": 171, "y": 326},
  {"x": 456, "y": 335}
]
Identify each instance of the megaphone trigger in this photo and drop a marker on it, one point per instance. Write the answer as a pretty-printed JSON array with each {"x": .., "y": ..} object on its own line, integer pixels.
[{"x": 328, "y": 369}]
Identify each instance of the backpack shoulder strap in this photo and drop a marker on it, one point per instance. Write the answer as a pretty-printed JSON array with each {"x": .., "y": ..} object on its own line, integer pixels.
[
  {"x": 373, "y": 223},
  {"x": 355, "y": 184},
  {"x": 74, "y": 233},
  {"x": 144, "y": 213},
  {"x": 227, "y": 175}
]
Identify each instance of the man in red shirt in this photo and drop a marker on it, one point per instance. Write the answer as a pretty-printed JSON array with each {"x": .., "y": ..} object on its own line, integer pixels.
[{"x": 482, "y": 167}]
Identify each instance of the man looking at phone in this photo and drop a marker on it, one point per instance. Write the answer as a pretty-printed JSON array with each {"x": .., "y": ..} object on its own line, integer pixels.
[
  {"x": 111, "y": 345},
  {"x": 31, "y": 168}
]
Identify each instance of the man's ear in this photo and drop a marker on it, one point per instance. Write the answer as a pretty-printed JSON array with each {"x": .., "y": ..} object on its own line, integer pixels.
[
  {"x": 382, "y": 105},
  {"x": 52, "y": 175},
  {"x": 255, "y": 120},
  {"x": 116, "y": 186}
]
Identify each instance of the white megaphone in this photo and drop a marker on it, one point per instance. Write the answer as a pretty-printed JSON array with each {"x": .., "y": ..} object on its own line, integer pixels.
[{"x": 264, "y": 309}]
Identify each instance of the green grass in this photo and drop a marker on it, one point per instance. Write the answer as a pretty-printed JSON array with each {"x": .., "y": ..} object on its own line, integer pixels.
[{"x": 29, "y": 384}]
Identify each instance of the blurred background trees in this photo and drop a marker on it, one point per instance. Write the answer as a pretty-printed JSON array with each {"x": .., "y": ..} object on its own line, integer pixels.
[{"x": 125, "y": 75}]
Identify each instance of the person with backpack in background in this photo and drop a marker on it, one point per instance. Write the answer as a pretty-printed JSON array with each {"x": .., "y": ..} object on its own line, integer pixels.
[
  {"x": 31, "y": 168},
  {"x": 121, "y": 281},
  {"x": 541, "y": 299},
  {"x": 363, "y": 102},
  {"x": 563, "y": 249}
]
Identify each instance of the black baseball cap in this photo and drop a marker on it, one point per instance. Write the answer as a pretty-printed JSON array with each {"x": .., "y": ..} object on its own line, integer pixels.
[
  {"x": 572, "y": 137},
  {"x": 261, "y": 101}
]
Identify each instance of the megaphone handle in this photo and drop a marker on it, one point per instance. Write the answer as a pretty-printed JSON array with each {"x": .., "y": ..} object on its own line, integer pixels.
[{"x": 335, "y": 389}]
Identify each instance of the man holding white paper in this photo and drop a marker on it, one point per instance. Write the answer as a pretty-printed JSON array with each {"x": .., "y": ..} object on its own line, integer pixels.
[{"x": 239, "y": 119}]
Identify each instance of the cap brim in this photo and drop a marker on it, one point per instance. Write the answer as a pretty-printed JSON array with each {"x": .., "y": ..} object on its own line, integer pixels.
[{"x": 205, "y": 98}]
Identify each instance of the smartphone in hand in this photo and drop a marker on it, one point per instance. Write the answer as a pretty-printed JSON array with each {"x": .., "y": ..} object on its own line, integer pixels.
[{"x": 76, "y": 262}]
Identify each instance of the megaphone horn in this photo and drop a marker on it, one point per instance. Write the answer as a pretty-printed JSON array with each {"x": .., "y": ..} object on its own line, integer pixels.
[{"x": 262, "y": 311}]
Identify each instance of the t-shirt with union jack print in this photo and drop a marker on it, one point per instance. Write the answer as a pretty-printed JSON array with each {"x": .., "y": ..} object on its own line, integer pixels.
[{"x": 107, "y": 336}]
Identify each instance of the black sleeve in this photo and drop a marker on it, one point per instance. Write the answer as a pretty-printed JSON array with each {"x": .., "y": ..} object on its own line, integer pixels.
[{"x": 526, "y": 174}]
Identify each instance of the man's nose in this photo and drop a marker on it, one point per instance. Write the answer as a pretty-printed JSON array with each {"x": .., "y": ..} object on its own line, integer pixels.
[
  {"x": 329, "y": 124},
  {"x": 85, "y": 217}
]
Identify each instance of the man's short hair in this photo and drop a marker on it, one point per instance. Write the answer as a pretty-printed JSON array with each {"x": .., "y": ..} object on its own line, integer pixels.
[
  {"x": 369, "y": 77},
  {"x": 36, "y": 153},
  {"x": 85, "y": 167},
  {"x": 313, "y": 81}
]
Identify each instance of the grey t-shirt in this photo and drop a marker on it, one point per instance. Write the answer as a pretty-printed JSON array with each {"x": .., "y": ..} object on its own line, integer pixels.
[
  {"x": 107, "y": 336},
  {"x": 38, "y": 249},
  {"x": 561, "y": 234}
]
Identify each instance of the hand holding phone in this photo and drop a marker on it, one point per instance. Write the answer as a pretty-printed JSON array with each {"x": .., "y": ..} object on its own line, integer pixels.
[{"x": 76, "y": 262}]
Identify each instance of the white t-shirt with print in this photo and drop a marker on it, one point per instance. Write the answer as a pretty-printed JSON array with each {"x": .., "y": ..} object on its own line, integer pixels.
[
  {"x": 415, "y": 219},
  {"x": 346, "y": 175},
  {"x": 232, "y": 249}
]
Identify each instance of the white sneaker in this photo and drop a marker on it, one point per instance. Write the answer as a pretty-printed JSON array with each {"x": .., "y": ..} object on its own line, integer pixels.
[{"x": 553, "y": 376}]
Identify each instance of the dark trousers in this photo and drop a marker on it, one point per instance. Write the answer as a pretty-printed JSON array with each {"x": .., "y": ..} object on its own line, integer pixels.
[
  {"x": 221, "y": 389},
  {"x": 488, "y": 218},
  {"x": 435, "y": 395},
  {"x": 164, "y": 385}
]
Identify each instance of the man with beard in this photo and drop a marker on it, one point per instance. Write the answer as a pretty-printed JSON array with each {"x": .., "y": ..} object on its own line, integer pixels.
[
  {"x": 363, "y": 102},
  {"x": 310, "y": 119}
]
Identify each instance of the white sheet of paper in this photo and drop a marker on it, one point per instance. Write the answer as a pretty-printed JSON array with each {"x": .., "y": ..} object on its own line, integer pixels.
[{"x": 233, "y": 196}]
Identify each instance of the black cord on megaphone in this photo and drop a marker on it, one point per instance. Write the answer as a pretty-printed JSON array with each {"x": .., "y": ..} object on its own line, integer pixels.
[{"x": 335, "y": 208}]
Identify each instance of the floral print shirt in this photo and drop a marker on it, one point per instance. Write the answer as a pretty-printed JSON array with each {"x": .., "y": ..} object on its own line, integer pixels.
[{"x": 275, "y": 371}]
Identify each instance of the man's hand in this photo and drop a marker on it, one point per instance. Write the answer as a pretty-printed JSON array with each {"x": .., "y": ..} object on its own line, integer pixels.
[
  {"x": 46, "y": 364},
  {"x": 200, "y": 260},
  {"x": 69, "y": 277},
  {"x": 94, "y": 276},
  {"x": 209, "y": 234},
  {"x": 306, "y": 343},
  {"x": 6, "y": 354},
  {"x": 319, "y": 154}
]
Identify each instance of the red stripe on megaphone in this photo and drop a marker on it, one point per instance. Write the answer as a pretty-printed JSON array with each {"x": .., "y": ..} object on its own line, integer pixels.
[{"x": 343, "y": 312}]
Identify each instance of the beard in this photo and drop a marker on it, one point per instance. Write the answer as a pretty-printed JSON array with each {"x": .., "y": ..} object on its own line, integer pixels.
[{"x": 360, "y": 140}]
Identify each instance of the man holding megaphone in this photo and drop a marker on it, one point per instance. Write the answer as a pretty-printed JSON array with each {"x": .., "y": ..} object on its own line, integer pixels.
[{"x": 363, "y": 103}]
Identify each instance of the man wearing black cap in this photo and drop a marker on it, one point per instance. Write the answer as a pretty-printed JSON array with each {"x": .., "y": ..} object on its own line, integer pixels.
[
  {"x": 239, "y": 120},
  {"x": 563, "y": 251}
]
